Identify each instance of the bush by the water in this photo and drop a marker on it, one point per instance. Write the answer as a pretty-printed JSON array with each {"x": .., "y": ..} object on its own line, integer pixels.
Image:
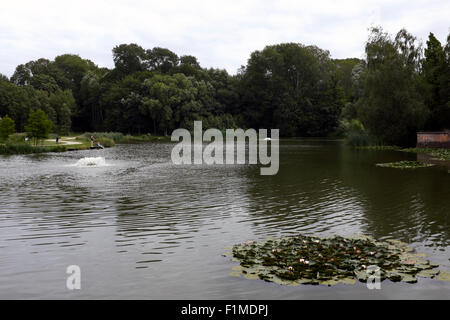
[
  {"x": 106, "y": 142},
  {"x": 7, "y": 127},
  {"x": 115, "y": 136},
  {"x": 143, "y": 138},
  {"x": 356, "y": 139},
  {"x": 355, "y": 134},
  {"x": 17, "y": 138},
  {"x": 26, "y": 148}
]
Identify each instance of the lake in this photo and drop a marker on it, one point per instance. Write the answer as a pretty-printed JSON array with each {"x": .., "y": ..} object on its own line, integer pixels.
[{"x": 140, "y": 227}]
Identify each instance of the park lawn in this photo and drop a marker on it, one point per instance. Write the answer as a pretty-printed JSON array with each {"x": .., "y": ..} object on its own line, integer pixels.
[
  {"x": 17, "y": 145},
  {"x": 83, "y": 143}
]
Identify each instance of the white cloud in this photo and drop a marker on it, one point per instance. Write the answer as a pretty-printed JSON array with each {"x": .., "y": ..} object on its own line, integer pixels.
[{"x": 219, "y": 33}]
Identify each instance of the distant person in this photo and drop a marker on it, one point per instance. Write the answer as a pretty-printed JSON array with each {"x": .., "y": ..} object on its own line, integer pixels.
[
  {"x": 92, "y": 141},
  {"x": 57, "y": 139}
]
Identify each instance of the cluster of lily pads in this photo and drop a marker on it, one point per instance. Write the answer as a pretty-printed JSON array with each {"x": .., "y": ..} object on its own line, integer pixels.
[
  {"x": 302, "y": 259},
  {"x": 405, "y": 165},
  {"x": 437, "y": 153}
]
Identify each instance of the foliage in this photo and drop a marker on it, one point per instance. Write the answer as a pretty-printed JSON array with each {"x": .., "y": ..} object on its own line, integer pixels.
[
  {"x": 405, "y": 165},
  {"x": 115, "y": 136},
  {"x": 128, "y": 58},
  {"x": 7, "y": 127},
  {"x": 344, "y": 75},
  {"x": 106, "y": 142},
  {"x": 396, "y": 90},
  {"x": 291, "y": 87},
  {"x": 143, "y": 138},
  {"x": 436, "y": 70},
  {"x": 380, "y": 148},
  {"x": 356, "y": 139},
  {"x": 38, "y": 125},
  {"x": 25, "y": 148},
  {"x": 355, "y": 134},
  {"x": 392, "y": 107},
  {"x": 17, "y": 137}
]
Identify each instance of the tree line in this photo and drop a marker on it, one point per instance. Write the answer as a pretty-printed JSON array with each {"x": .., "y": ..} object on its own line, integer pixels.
[{"x": 399, "y": 88}]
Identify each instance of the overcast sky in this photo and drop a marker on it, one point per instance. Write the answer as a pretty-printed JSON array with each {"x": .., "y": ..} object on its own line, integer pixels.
[{"x": 221, "y": 34}]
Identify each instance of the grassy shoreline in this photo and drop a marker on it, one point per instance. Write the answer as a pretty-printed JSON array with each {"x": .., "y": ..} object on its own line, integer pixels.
[
  {"x": 16, "y": 144},
  {"x": 437, "y": 153}
]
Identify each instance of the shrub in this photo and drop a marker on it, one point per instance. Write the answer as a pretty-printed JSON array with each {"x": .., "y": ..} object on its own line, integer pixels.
[
  {"x": 141, "y": 138},
  {"x": 106, "y": 142},
  {"x": 25, "y": 148},
  {"x": 7, "y": 127},
  {"x": 115, "y": 136},
  {"x": 17, "y": 138},
  {"x": 356, "y": 139},
  {"x": 355, "y": 133}
]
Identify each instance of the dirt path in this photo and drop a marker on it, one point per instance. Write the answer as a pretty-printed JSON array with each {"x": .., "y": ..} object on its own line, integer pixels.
[{"x": 65, "y": 141}]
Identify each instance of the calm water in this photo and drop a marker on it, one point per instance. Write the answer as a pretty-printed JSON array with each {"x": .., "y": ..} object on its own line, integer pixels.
[{"x": 140, "y": 227}]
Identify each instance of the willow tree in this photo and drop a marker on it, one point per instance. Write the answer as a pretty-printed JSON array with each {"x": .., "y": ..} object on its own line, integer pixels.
[{"x": 392, "y": 106}]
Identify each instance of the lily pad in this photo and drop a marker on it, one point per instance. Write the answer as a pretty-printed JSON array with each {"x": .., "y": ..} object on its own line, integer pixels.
[
  {"x": 405, "y": 165},
  {"x": 304, "y": 259},
  {"x": 443, "y": 276},
  {"x": 429, "y": 273},
  {"x": 347, "y": 281}
]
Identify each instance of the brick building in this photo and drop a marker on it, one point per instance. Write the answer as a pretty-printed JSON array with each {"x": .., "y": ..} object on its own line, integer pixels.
[{"x": 433, "y": 139}]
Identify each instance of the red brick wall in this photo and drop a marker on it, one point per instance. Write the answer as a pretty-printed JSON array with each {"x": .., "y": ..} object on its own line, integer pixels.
[{"x": 433, "y": 139}]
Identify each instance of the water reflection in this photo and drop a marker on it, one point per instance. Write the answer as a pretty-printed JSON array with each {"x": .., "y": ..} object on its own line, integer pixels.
[{"x": 159, "y": 230}]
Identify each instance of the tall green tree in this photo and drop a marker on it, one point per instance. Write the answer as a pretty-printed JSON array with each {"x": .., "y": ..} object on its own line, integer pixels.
[
  {"x": 38, "y": 125},
  {"x": 392, "y": 106},
  {"x": 64, "y": 105},
  {"x": 344, "y": 75},
  {"x": 129, "y": 58},
  {"x": 44, "y": 82},
  {"x": 3, "y": 78},
  {"x": 7, "y": 127},
  {"x": 435, "y": 70},
  {"x": 90, "y": 112},
  {"x": 291, "y": 87},
  {"x": 162, "y": 60}
]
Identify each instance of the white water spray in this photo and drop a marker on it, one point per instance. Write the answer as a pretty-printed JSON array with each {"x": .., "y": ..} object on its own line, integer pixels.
[{"x": 91, "y": 162}]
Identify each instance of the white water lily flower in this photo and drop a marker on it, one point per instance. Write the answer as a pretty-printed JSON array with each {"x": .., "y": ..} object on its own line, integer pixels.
[
  {"x": 249, "y": 242},
  {"x": 302, "y": 260}
]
